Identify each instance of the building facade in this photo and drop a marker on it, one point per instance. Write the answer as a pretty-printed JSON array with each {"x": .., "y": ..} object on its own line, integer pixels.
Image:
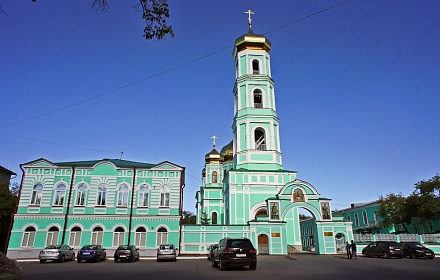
[
  {"x": 246, "y": 191},
  {"x": 109, "y": 202}
]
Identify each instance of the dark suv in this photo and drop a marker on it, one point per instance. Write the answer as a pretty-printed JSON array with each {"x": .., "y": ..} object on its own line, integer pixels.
[
  {"x": 126, "y": 253},
  {"x": 384, "y": 249},
  {"x": 234, "y": 252},
  {"x": 416, "y": 250}
]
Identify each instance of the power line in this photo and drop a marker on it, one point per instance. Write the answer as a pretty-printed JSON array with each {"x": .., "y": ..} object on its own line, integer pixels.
[{"x": 162, "y": 72}]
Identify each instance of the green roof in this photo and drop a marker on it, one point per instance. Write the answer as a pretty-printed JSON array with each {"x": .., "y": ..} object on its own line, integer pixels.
[{"x": 116, "y": 162}]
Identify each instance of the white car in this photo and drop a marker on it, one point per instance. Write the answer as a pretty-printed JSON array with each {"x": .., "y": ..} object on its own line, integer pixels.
[
  {"x": 56, "y": 253},
  {"x": 166, "y": 252}
]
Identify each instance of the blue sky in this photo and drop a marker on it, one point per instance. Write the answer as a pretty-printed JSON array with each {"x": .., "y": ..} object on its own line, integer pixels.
[{"x": 357, "y": 88}]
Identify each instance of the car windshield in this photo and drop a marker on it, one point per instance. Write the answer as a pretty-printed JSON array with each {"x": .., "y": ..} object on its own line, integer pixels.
[
  {"x": 89, "y": 247},
  {"x": 240, "y": 243},
  {"x": 124, "y": 247},
  {"x": 53, "y": 247},
  {"x": 165, "y": 247}
]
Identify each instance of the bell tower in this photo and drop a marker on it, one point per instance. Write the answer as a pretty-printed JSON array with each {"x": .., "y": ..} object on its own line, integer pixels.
[{"x": 255, "y": 126}]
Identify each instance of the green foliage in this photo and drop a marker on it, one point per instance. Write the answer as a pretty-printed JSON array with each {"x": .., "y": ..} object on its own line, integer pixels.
[
  {"x": 154, "y": 12},
  {"x": 432, "y": 186},
  {"x": 205, "y": 220},
  {"x": 188, "y": 218},
  {"x": 304, "y": 217},
  {"x": 8, "y": 200},
  {"x": 393, "y": 210}
]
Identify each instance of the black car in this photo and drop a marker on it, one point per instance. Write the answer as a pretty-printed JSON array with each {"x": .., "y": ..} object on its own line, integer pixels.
[
  {"x": 384, "y": 249},
  {"x": 237, "y": 252},
  {"x": 211, "y": 249},
  {"x": 416, "y": 250},
  {"x": 126, "y": 252}
]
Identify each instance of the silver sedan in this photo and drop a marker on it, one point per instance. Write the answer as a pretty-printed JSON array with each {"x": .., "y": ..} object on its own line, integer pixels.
[{"x": 56, "y": 253}]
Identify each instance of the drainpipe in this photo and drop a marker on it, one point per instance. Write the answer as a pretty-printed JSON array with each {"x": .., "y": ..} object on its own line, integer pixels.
[
  {"x": 131, "y": 205},
  {"x": 15, "y": 211},
  {"x": 66, "y": 217},
  {"x": 182, "y": 186}
]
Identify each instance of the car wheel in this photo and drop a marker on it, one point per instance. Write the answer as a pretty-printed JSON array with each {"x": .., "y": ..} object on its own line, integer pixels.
[
  {"x": 386, "y": 255},
  {"x": 42, "y": 261},
  {"x": 116, "y": 259},
  {"x": 213, "y": 264},
  {"x": 365, "y": 253},
  {"x": 413, "y": 255},
  {"x": 253, "y": 266},
  {"x": 221, "y": 266},
  {"x": 158, "y": 260},
  {"x": 431, "y": 258},
  {"x": 78, "y": 260},
  {"x": 62, "y": 259},
  {"x": 400, "y": 257},
  {"x": 73, "y": 257}
]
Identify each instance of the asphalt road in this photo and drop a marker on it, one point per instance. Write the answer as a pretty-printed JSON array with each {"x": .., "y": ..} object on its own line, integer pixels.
[{"x": 306, "y": 266}]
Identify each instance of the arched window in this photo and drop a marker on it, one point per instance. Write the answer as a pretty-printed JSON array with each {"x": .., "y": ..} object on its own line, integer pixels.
[
  {"x": 81, "y": 194},
  {"x": 140, "y": 239},
  {"x": 37, "y": 192},
  {"x": 356, "y": 219},
  {"x": 260, "y": 139},
  {"x": 214, "y": 218},
  {"x": 364, "y": 217},
  {"x": 261, "y": 213},
  {"x": 28, "y": 237},
  {"x": 348, "y": 217},
  {"x": 75, "y": 237},
  {"x": 123, "y": 195},
  {"x": 255, "y": 66},
  {"x": 258, "y": 99},
  {"x": 97, "y": 236},
  {"x": 52, "y": 236},
  {"x": 118, "y": 236},
  {"x": 102, "y": 195},
  {"x": 214, "y": 176},
  {"x": 165, "y": 196},
  {"x": 162, "y": 236},
  {"x": 60, "y": 193},
  {"x": 143, "y": 196}
]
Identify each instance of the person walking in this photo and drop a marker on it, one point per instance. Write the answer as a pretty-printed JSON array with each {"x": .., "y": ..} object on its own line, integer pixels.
[
  {"x": 347, "y": 247},
  {"x": 353, "y": 249}
]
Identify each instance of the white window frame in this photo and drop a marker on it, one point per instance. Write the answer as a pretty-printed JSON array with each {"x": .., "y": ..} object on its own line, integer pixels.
[
  {"x": 37, "y": 193},
  {"x": 101, "y": 198},
  {"x": 356, "y": 219},
  {"x": 75, "y": 238},
  {"x": 60, "y": 194},
  {"x": 52, "y": 237},
  {"x": 165, "y": 196},
  {"x": 81, "y": 193},
  {"x": 143, "y": 196},
  {"x": 97, "y": 237},
  {"x": 118, "y": 238},
  {"x": 140, "y": 239},
  {"x": 123, "y": 195},
  {"x": 364, "y": 217},
  {"x": 28, "y": 238},
  {"x": 162, "y": 237}
]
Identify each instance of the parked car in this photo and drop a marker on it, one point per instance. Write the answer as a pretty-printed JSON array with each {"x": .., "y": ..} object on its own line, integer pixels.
[
  {"x": 211, "y": 249},
  {"x": 10, "y": 269},
  {"x": 56, "y": 253},
  {"x": 384, "y": 249},
  {"x": 416, "y": 250},
  {"x": 126, "y": 252},
  {"x": 166, "y": 252},
  {"x": 235, "y": 252},
  {"x": 91, "y": 253}
]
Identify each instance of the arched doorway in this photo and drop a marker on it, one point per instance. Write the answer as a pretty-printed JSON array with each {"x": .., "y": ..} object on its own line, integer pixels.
[{"x": 263, "y": 244}]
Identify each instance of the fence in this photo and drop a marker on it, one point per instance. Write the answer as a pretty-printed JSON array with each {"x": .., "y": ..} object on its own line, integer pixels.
[{"x": 403, "y": 237}]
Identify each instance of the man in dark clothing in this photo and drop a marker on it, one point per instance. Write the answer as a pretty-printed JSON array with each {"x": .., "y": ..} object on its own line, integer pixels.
[
  {"x": 347, "y": 247},
  {"x": 353, "y": 249}
]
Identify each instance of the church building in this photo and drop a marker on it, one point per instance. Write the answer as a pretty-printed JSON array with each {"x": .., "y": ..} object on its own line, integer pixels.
[{"x": 246, "y": 191}]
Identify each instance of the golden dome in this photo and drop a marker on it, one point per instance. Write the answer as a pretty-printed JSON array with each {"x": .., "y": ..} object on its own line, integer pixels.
[
  {"x": 213, "y": 157},
  {"x": 228, "y": 152},
  {"x": 251, "y": 41}
]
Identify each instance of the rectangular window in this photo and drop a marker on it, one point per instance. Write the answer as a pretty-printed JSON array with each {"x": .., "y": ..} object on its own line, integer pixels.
[
  {"x": 59, "y": 197},
  {"x": 75, "y": 238},
  {"x": 165, "y": 199},
  {"x": 102, "y": 193},
  {"x": 28, "y": 239},
  {"x": 52, "y": 238},
  {"x": 123, "y": 199},
  {"x": 36, "y": 197},
  {"x": 143, "y": 199},
  {"x": 140, "y": 239},
  {"x": 97, "y": 237},
  {"x": 162, "y": 238},
  {"x": 118, "y": 238},
  {"x": 80, "y": 198}
]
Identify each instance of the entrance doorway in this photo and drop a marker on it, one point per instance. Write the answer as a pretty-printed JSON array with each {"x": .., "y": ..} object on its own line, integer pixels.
[{"x": 263, "y": 244}]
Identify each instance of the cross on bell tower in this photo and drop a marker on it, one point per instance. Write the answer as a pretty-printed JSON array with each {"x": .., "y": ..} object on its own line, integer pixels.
[{"x": 249, "y": 12}]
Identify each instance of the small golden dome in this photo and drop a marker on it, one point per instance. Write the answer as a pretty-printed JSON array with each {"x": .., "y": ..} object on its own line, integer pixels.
[
  {"x": 213, "y": 157},
  {"x": 228, "y": 152},
  {"x": 251, "y": 41}
]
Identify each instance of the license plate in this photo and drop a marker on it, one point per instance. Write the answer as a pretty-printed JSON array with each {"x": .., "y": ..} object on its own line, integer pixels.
[
  {"x": 123, "y": 256},
  {"x": 86, "y": 253},
  {"x": 240, "y": 255},
  {"x": 428, "y": 254}
]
